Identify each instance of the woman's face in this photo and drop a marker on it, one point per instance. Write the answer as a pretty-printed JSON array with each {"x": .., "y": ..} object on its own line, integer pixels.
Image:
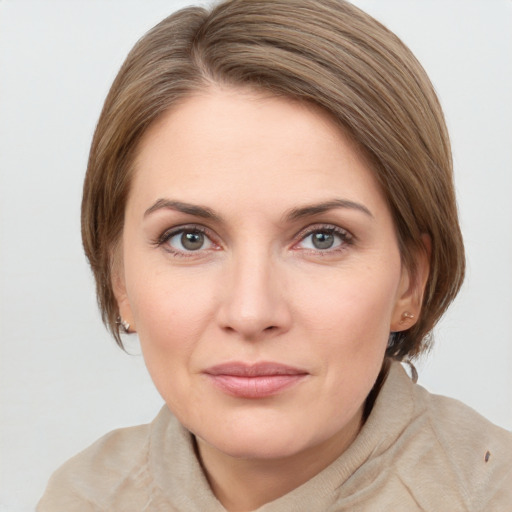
[{"x": 262, "y": 274}]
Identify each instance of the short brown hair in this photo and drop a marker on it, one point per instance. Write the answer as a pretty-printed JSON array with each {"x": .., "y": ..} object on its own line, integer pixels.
[{"x": 326, "y": 52}]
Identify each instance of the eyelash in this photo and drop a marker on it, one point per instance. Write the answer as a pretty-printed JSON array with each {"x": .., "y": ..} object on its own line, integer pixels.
[
  {"x": 346, "y": 239},
  {"x": 192, "y": 228}
]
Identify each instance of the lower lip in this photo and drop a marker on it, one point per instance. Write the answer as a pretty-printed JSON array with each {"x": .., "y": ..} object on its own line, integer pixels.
[{"x": 260, "y": 386}]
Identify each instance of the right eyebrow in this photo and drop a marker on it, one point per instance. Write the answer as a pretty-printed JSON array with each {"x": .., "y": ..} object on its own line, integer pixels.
[
  {"x": 179, "y": 206},
  {"x": 319, "y": 208}
]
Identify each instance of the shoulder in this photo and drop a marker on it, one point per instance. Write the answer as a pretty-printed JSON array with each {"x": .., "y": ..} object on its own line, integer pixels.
[
  {"x": 477, "y": 450},
  {"x": 460, "y": 446},
  {"x": 460, "y": 428},
  {"x": 87, "y": 482}
]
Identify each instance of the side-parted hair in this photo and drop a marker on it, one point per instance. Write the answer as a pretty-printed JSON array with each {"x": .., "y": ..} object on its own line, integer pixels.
[{"x": 326, "y": 52}]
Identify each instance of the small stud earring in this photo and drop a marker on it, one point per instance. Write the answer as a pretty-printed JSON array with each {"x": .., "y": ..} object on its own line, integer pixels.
[
  {"x": 406, "y": 316},
  {"x": 125, "y": 326}
]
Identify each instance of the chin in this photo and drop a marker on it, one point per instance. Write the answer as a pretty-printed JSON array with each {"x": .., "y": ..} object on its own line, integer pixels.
[
  {"x": 258, "y": 446},
  {"x": 262, "y": 435}
]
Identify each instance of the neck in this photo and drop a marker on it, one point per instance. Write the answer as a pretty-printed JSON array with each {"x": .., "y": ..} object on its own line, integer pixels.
[{"x": 242, "y": 484}]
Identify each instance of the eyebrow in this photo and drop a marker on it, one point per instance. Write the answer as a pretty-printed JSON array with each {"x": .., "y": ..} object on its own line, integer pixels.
[
  {"x": 293, "y": 214},
  {"x": 191, "y": 209},
  {"x": 318, "y": 208}
]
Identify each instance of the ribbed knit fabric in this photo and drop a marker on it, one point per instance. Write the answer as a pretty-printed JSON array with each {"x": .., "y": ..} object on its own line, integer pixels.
[{"x": 416, "y": 452}]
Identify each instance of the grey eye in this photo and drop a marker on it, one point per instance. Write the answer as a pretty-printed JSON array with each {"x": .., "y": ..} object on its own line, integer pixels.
[
  {"x": 189, "y": 240},
  {"x": 192, "y": 241},
  {"x": 322, "y": 240}
]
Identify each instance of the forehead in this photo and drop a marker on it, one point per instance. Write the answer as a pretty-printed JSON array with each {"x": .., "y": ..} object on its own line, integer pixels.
[{"x": 229, "y": 143}]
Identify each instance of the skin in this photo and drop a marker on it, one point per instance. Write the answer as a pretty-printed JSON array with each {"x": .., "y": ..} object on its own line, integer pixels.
[{"x": 259, "y": 289}]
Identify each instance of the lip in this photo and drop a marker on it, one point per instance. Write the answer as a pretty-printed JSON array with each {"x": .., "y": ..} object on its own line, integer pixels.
[{"x": 258, "y": 380}]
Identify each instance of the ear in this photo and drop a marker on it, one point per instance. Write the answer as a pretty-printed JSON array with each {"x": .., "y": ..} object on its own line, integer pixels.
[
  {"x": 412, "y": 286},
  {"x": 119, "y": 289}
]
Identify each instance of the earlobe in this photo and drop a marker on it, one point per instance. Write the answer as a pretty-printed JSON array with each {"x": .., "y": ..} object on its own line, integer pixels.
[{"x": 412, "y": 287}]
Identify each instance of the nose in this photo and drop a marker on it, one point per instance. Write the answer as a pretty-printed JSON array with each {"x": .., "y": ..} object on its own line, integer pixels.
[{"x": 254, "y": 301}]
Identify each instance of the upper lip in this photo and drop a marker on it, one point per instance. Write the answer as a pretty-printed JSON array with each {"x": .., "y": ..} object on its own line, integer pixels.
[{"x": 240, "y": 369}]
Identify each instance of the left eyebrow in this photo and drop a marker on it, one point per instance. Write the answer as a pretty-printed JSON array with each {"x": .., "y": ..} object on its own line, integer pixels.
[
  {"x": 318, "y": 208},
  {"x": 179, "y": 206}
]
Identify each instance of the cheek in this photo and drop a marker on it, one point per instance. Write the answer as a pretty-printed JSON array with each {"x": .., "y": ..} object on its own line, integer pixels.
[
  {"x": 351, "y": 304},
  {"x": 170, "y": 318},
  {"x": 169, "y": 311},
  {"x": 349, "y": 319}
]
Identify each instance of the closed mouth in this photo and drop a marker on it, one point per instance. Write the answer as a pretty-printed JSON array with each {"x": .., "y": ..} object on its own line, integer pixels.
[{"x": 258, "y": 380}]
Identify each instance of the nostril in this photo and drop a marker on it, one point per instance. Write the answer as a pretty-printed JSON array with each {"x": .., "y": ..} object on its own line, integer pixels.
[{"x": 270, "y": 328}]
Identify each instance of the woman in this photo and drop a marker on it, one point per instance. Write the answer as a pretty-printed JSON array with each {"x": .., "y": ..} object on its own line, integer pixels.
[{"x": 269, "y": 205}]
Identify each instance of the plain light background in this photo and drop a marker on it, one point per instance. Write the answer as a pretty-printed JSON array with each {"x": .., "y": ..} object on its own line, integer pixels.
[{"x": 63, "y": 382}]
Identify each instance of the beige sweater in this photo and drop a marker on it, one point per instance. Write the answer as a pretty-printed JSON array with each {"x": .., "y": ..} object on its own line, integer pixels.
[{"x": 416, "y": 451}]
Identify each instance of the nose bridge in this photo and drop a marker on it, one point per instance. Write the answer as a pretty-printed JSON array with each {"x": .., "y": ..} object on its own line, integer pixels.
[{"x": 254, "y": 302}]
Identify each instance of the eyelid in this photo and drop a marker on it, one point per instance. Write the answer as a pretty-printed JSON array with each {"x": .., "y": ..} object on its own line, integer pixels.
[
  {"x": 345, "y": 235},
  {"x": 176, "y": 230}
]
